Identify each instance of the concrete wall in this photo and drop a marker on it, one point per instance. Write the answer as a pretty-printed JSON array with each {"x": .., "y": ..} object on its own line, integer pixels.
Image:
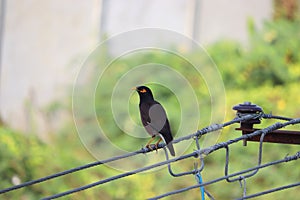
[
  {"x": 44, "y": 41},
  {"x": 203, "y": 20},
  {"x": 228, "y": 19}
]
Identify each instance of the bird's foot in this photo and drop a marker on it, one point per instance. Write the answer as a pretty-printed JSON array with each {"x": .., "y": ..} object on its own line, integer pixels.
[
  {"x": 156, "y": 147},
  {"x": 152, "y": 147},
  {"x": 149, "y": 147},
  {"x": 157, "y": 143}
]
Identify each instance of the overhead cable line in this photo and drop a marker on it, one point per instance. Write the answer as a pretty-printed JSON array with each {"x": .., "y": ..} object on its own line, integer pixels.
[
  {"x": 286, "y": 159},
  {"x": 141, "y": 151},
  {"x": 196, "y": 153}
]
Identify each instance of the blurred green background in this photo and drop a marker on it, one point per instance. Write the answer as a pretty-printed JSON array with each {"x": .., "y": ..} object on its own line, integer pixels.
[{"x": 266, "y": 72}]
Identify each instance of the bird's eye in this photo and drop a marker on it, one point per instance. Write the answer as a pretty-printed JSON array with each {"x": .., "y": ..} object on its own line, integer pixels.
[{"x": 143, "y": 90}]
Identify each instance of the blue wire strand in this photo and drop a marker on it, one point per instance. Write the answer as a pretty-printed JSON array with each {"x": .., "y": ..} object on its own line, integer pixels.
[{"x": 199, "y": 180}]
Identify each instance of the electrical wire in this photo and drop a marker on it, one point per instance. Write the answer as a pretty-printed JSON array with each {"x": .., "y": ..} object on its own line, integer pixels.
[
  {"x": 143, "y": 150},
  {"x": 270, "y": 191},
  {"x": 193, "y": 154},
  {"x": 286, "y": 159},
  {"x": 196, "y": 153}
]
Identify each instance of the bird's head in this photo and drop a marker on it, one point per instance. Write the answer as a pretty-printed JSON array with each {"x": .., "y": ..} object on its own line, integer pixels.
[{"x": 144, "y": 92}]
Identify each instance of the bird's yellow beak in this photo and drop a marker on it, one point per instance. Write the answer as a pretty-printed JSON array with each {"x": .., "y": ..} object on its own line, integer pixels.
[{"x": 134, "y": 88}]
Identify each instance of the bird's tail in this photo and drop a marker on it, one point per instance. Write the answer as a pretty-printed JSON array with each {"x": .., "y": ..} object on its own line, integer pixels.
[
  {"x": 169, "y": 142},
  {"x": 171, "y": 148}
]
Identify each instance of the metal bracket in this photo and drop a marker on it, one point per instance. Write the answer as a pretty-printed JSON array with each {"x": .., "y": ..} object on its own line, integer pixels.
[{"x": 277, "y": 136}]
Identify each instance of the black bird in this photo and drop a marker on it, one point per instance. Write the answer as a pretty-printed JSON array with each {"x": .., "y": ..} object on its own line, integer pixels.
[{"x": 154, "y": 118}]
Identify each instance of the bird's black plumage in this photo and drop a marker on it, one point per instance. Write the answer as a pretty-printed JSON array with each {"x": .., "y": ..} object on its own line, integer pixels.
[{"x": 154, "y": 117}]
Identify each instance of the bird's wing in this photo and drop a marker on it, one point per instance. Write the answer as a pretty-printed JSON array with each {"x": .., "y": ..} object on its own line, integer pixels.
[
  {"x": 153, "y": 117},
  {"x": 157, "y": 116},
  {"x": 160, "y": 122},
  {"x": 166, "y": 132}
]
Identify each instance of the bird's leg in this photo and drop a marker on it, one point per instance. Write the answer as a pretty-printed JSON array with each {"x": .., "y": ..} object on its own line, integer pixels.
[
  {"x": 148, "y": 145},
  {"x": 156, "y": 144}
]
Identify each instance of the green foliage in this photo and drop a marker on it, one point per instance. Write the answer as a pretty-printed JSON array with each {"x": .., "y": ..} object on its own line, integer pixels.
[
  {"x": 271, "y": 57},
  {"x": 25, "y": 157}
]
